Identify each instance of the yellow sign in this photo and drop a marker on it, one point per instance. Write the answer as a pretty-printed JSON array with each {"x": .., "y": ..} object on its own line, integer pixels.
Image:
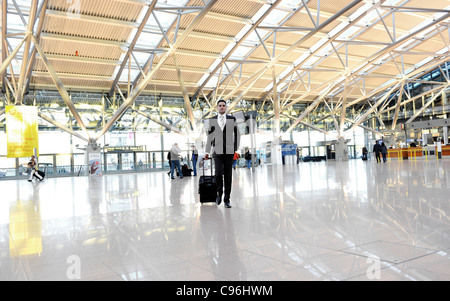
[{"x": 22, "y": 132}]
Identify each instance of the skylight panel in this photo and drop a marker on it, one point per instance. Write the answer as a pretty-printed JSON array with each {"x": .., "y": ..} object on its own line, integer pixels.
[
  {"x": 15, "y": 23},
  {"x": 291, "y": 3},
  {"x": 133, "y": 74},
  {"x": 240, "y": 52},
  {"x": 149, "y": 40},
  {"x": 165, "y": 19},
  {"x": 274, "y": 18}
]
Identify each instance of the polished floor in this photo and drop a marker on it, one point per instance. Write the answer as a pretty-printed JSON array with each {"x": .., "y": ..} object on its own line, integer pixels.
[{"x": 313, "y": 221}]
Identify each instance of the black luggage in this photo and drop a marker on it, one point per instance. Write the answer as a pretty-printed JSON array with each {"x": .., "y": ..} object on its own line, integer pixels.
[
  {"x": 185, "y": 170},
  {"x": 41, "y": 173},
  {"x": 207, "y": 187}
]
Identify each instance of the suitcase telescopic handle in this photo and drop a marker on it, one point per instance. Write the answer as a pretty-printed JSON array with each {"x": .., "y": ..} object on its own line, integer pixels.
[{"x": 205, "y": 159}]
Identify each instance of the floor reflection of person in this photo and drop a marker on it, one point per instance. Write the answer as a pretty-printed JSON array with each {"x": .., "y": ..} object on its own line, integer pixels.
[{"x": 222, "y": 251}]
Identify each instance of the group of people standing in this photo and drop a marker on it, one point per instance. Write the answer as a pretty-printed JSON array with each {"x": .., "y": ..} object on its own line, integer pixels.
[
  {"x": 174, "y": 161},
  {"x": 379, "y": 149}
]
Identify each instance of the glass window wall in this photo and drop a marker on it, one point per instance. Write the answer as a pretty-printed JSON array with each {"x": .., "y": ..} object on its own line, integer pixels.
[{"x": 66, "y": 157}]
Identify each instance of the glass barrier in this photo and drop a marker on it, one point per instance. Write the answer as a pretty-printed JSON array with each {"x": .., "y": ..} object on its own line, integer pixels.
[{"x": 63, "y": 165}]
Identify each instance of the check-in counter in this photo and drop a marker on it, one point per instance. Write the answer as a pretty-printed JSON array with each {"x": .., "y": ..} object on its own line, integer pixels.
[
  {"x": 414, "y": 152},
  {"x": 405, "y": 153},
  {"x": 446, "y": 150},
  {"x": 417, "y": 152}
]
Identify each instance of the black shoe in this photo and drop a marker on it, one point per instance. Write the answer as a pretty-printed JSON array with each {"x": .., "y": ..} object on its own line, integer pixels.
[
  {"x": 227, "y": 205},
  {"x": 219, "y": 200}
]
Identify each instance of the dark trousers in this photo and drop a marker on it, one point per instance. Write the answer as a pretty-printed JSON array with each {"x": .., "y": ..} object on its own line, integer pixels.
[
  {"x": 194, "y": 166},
  {"x": 224, "y": 175},
  {"x": 377, "y": 155}
]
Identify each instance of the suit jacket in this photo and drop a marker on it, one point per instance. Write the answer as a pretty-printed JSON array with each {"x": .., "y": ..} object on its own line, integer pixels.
[{"x": 223, "y": 142}]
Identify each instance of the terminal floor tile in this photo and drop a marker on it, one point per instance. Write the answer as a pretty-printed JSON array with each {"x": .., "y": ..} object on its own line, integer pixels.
[{"x": 330, "y": 220}]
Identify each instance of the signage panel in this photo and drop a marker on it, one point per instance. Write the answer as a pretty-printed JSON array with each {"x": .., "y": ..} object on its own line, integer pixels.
[{"x": 22, "y": 131}]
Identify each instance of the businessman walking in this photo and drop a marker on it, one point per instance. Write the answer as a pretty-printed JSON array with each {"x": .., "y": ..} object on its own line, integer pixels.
[{"x": 223, "y": 137}]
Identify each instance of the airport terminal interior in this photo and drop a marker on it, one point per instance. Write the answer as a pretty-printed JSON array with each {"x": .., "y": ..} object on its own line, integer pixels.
[{"x": 100, "y": 91}]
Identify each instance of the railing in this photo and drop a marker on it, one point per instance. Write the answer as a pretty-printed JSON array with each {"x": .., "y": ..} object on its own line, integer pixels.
[
  {"x": 79, "y": 170},
  {"x": 146, "y": 161},
  {"x": 23, "y": 172}
]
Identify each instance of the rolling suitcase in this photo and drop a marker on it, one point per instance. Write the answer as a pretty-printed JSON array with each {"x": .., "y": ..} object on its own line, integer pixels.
[
  {"x": 207, "y": 187},
  {"x": 41, "y": 173}
]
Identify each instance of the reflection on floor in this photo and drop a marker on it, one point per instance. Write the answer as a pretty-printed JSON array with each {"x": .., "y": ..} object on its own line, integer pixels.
[{"x": 313, "y": 221}]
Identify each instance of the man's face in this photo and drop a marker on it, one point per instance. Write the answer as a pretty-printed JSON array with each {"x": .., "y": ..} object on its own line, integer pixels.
[{"x": 222, "y": 107}]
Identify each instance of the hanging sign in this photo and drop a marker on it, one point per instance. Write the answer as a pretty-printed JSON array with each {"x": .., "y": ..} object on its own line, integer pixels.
[{"x": 22, "y": 131}]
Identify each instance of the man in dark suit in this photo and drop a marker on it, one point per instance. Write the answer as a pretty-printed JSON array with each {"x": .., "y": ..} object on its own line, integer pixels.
[
  {"x": 377, "y": 151},
  {"x": 224, "y": 137}
]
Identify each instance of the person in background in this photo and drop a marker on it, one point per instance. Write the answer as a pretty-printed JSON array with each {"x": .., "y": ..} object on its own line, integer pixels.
[
  {"x": 248, "y": 157},
  {"x": 384, "y": 152},
  {"x": 170, "y": 164},
  {"x": 235, "y": 159},
  {"x": 364, "y": 153},
  {"x": 377, "y": 151},
  {"x": 32, "y": 164},
  {"x": 194, "y": 159},
  {"x": 175, "y": 161}
]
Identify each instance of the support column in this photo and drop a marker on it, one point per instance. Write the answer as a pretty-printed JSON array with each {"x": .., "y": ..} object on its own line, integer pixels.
[
  {"x": 3, "y": 39},
  {"x": 445, "y": 133},
  {"x": 26, "y": 53},
  {"x": 341, "y": 149},
  {"x": 187, "y": 101},
  {"x": 276, "y": 106}
]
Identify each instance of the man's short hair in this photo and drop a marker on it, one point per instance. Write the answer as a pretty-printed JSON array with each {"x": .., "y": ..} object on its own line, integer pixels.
[{"x": 221, "y": 100}]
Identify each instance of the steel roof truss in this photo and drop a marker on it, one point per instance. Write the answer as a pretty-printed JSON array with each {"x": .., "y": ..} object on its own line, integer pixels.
[
  {"x": 147, "y": 15},
  {"x": 142, "y": 84},
  {"x": 59, "y": 85}
]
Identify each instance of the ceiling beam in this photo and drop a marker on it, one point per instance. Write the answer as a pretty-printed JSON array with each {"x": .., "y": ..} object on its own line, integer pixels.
[
  {"x": 236, "y": 46},
  {"x": 42, "y": 14},
  {"x": 26, "y": 53},
  {"x": 133, "y": 43},
  {"x": 59, "y": 85},
  {"x": 142, "y": 84},
  {"x": 291, "y": 48}
]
